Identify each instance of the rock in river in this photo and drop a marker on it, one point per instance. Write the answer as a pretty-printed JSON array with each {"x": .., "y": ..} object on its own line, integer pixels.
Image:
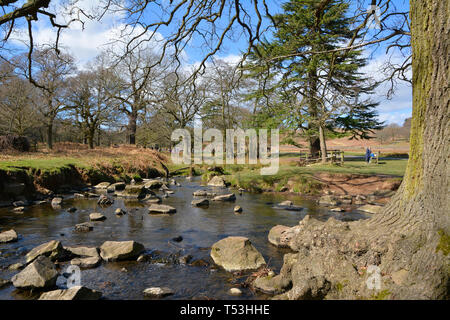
[
  {"x": 8, "y": 236},
  {"x": 96, "y": 216},
  {"x": 56, "y": 202},
  {"x": 120, "y": 250},
  {"x": 40, "y": 274},
  {"x": 370, "y": 208},
  {"x": 86, "y": 262},
  {"x": 217, "y": 182},
  {"x": 158, "y": 292},
  {"x": 272, "y": 284},
  {"x": 281, "y": 236},
  {"x": 52, "y": 249},
  {"x": 74, "y": 293},
  {"x": 200, "y": 203},
  {"x": 236, "y": 254},
  {"x": 225, "y": 197},
  {"x": 102, "y": 186},
  {"x": 84, "y": 227},
  {"x": 329, "y": 200},
  {"x": 132, "y": 192},
  {"x": 104, "y": 200},
  {"x": 160, "y": 208},
  {"x": 120, "y": 212}
]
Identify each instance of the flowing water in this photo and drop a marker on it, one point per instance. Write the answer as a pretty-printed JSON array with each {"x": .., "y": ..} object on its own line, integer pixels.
[{"x": 199, "y": 228}]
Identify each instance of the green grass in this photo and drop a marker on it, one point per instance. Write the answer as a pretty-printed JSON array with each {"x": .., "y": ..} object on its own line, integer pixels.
[
  {"x": 45, "y": 164},
  {"x": 249, "y": 177}
]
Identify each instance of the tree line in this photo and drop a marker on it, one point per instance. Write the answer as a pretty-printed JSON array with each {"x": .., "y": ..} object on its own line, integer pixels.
[{"x": 138, "y": 98}]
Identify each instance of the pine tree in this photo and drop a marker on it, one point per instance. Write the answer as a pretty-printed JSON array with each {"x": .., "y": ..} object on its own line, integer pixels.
[{"x": 321, "y": 90}]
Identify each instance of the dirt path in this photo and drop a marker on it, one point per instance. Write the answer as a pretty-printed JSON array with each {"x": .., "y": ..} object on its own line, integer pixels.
[{"x": 341, "y": 184}]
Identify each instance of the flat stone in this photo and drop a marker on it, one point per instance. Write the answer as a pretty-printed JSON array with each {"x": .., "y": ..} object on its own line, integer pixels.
[
  {"x": 286, "y": 203},
  {"x": 83, "y": 251},
  {"x": 153, "y": 184},
  {"x": 96, "y": 216},
  {"x": 200, "y": 203},
  {"x": 120, "y": 250},
  {"x": 200, "y": 193},
  {"x": 74, "y": 293},
  {"x": 39, "y": 274},
  {"x": 225, "y": 197},
  {"x": 337, "y": 209},
  {"x": 8, "y": 236},
  {"x": 102, "y": 186},
  {"x": 236, "y": 254},
  {"x": 237, "y": 209},
  {"x": 132, "y": 192},
  {"x": 87, "y": 262},
  {"x": 158, "y": 292},
  {"x": 370, "y": 208},
  {"x": 160, "y": 208}
]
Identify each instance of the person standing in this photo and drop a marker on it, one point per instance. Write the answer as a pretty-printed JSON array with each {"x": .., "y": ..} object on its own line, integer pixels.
[{"x": 367, "y": 156}]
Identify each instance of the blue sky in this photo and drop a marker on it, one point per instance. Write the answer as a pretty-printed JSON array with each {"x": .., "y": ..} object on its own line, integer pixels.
[{"x": 86, "y": 44}]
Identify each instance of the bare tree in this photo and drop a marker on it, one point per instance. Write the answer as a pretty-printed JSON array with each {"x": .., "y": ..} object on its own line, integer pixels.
[{"x": 52, "y": 71}]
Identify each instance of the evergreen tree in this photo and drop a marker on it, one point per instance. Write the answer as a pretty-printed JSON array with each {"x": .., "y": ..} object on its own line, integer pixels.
[{"x": 322, "y": 89}]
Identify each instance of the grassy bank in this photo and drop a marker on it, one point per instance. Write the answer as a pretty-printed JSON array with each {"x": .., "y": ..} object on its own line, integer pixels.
[{"x": 74, "y": 164}]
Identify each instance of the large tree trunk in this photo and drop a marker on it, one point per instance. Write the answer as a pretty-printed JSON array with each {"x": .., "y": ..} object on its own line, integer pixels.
[
  {"x": 132, "y": 127},
  {"x": 323, "y": 145},
  {"x": 50, "y": 134},
  {"x": 409, "y": 241}
]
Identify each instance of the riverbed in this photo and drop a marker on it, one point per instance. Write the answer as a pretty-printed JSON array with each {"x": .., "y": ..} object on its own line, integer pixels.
[{"x": 198, "y": 227}]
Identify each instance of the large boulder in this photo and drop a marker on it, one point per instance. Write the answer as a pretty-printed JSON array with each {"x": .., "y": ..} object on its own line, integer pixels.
[
  {"x": 225, "y": 197},
  {"x": 40, "y": 274},
  {"x": 120, "y": 250},
  {"x": 370, "y": 208},
  {"x": 52, "y": 249},
  {"x": 281, "y": 236},
  {"x": 161, "y": 209},
  {"x": 217, "y": 181},
  {"x": 8, "y": 236},
  {"x": 74, "y": 293},
  {"x": 236, "y": 254},
  {"x": 132, "y": 192}
]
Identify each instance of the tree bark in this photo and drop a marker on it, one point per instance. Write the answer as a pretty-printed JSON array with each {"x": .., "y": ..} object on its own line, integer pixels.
[
  {"x": 323, "y": 146},
  {"x": 409, "y": 241},
  {"x": 50, "y": 134},
  {"x": 132, "y": 127}
]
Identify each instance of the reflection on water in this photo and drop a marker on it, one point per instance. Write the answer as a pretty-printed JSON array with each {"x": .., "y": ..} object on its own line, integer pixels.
[{"x": 199, "y": 227}]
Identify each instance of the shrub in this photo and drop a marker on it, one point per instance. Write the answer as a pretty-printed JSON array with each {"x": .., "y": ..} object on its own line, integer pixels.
[{"x": 15, "y": 143}]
